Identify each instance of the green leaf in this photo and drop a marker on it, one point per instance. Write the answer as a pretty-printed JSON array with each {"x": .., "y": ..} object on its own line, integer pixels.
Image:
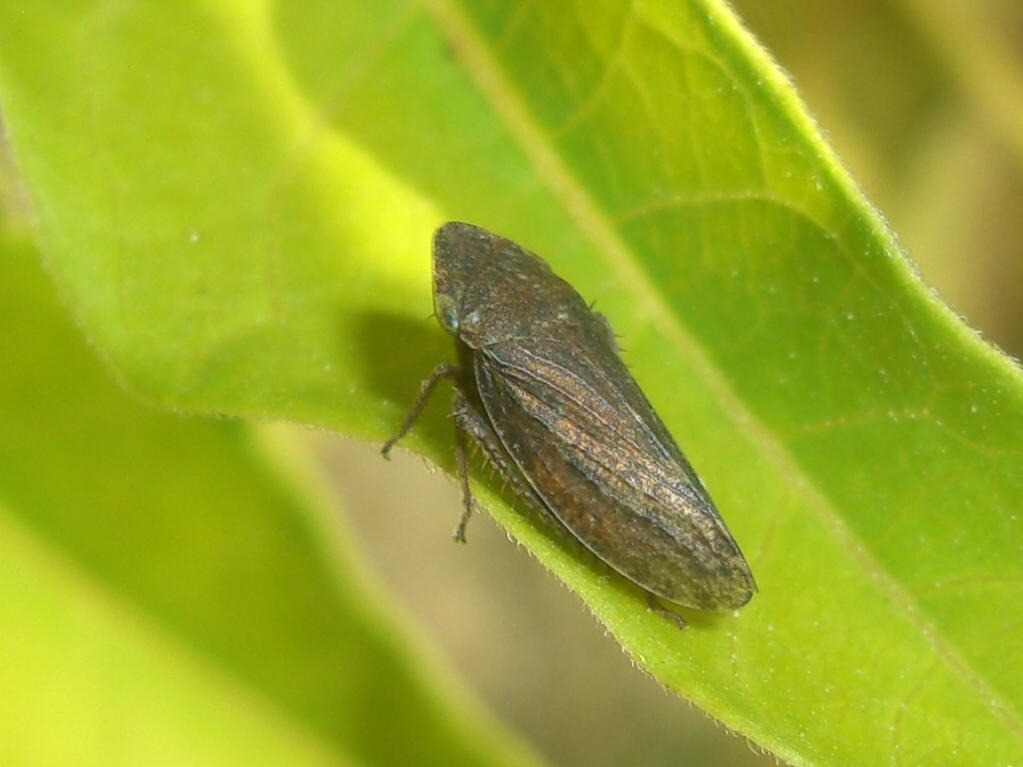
[
  {"x": 168, "y": 598},
  {"x": 237, "y": 203}
]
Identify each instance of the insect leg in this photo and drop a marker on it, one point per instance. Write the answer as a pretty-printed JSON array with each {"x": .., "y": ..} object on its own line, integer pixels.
[
  {"x": 443, "y": 370},
  {"x": 462, "y": 460},
  {"x": 655, "y": 604},
  {"x": 469, "y": 420},
  {"x": 611, "y": 335}
]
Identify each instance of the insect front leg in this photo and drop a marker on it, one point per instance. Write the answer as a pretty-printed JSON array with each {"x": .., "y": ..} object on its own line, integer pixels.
[{"x": 443, "y": 370}]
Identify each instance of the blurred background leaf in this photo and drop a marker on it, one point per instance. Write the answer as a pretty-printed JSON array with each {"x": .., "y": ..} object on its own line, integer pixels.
[
  {"x": 236, "y": 203},
  {"x": 924, "y": 100}
]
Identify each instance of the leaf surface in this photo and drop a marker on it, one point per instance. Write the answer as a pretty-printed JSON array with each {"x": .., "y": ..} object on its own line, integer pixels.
[{"x": 240, "y": 219}]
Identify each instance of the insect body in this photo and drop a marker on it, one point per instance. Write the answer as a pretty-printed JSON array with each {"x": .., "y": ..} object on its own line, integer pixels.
[{"x": 541, "y": 388}]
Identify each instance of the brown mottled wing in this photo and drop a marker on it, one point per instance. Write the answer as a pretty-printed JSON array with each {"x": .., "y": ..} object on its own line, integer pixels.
[{"x": 584, "y": 436}]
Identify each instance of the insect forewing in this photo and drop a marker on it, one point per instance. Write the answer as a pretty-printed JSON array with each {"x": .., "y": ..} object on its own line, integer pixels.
[{"x": 584, "y": 437}]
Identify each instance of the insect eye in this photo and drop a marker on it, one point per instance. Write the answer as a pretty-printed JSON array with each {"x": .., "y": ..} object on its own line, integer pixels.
[{"x": 447, "y": 312}]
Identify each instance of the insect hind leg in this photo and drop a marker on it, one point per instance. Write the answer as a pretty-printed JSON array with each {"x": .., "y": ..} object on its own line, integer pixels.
[{"x": 654, "y": 603}]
